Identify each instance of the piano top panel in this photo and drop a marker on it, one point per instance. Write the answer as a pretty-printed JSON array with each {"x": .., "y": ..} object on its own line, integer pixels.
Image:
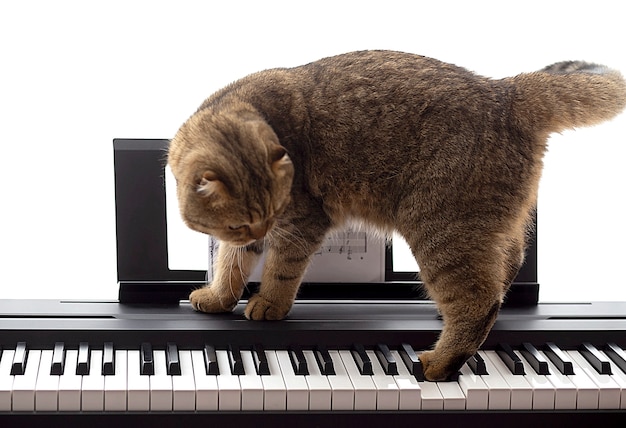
[
  {"x": 303, "y": 311},
  {"x": 333, "y": 323}
]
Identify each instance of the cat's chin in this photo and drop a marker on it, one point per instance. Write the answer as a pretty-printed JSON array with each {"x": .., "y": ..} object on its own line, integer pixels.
[{"x": 241, "y": 244}]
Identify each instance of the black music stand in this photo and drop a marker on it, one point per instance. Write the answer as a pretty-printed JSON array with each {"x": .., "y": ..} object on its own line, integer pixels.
[{"x": 142, "y": 251}]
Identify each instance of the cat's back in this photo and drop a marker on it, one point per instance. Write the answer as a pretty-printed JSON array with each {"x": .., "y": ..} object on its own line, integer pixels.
[
  {"x": 384, "y": 67},
  {"x": 370, "y": 78},
  {"x": 393, "y": 90},
  {"x": 362, "y": 77}
]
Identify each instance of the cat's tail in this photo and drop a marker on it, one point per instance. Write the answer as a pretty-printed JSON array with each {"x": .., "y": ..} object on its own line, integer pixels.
[{"x": 568, "y": 95}]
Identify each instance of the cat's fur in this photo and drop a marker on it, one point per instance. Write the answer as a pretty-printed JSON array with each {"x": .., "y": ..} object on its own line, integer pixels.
[{"x": 449, "y": 159}]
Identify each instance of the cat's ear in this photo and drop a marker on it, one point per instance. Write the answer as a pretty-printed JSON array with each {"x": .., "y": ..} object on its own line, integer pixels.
[
  {"x": 210, "y": 185},
  {"x": 281, "y": 162}
]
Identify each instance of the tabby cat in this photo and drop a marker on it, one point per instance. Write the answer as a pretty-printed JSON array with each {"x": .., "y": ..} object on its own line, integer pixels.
[{"x": 397, "y": 142}]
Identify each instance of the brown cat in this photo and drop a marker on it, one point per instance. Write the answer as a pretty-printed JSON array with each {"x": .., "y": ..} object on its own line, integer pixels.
[{"x": 449, "y": 159}]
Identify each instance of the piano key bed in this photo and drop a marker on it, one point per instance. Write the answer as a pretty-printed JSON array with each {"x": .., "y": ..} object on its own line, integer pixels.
[
  {"x": 183, "y": 373},
  {"x": 256, "y": 379}
]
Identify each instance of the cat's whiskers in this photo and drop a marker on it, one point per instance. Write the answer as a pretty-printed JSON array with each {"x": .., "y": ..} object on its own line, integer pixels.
[
  {"x": 235, "y": 257},
  {"x": 289, "y": 236},
  {"x": 240, "y": 259},
  {"x": 229, "y": 259}
]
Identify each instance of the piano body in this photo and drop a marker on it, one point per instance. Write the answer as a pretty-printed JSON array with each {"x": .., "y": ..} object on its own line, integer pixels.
[{"x": 347, "y": 354}]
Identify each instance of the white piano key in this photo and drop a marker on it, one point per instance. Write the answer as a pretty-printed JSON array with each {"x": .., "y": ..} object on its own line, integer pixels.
[
  {"x": 499, "y": 390},
  {"x": 92, "y": 397},
  {"x": 24, "y": 385},
  {"x": 273, "y": 385},
  {"x": 70, "y": 384},
  {"x": 410, "y": 391},
  {"x": 587, "y": 392},
  {"x": 161, "y": 394},
  {"x": 251, "y": 384},
  {"x": 609, "y": 391},
  {"x": 138, "y": 394},
  {"x": 474, "y": 388},
  {"x": 341, "y": 385},
  {"x": 431, "y": 396},
  {"x": 6, "y": 380},
  {"x": 387, "y": 393},
  {"x": 228, "y": 384},
  {"x": 453, "y": 396},
  {"x": 184, "y": 385},
  {"x": 521, "y": 391},
  {"x": 297, "y": 388},
  {"x": 364, "y": 389},
  {"x": 619, "y": 377},
  {"x": 432, "y": 399},
  {"x": 319, "y": 389},
  {"x": 47, "y": 387},
  {"x": 115, "y": 385},
  {"x": 207, "y": 393},
  {"x": 565, "y": 390},
  {"x": 544, "y": 393}
]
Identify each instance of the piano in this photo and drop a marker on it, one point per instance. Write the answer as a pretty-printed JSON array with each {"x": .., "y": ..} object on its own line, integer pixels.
[{"x": 347, "y": 354}]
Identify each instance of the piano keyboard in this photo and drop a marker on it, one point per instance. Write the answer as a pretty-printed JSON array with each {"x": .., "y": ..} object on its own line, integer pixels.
[
  {"x": 102, "y": 364},
  {"x": 103, "y": 378}
]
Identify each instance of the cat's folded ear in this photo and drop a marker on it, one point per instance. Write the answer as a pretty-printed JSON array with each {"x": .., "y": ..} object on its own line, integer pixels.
[
  {"x": 210, "y": 185},
  {"x": 281, "y": 162}
]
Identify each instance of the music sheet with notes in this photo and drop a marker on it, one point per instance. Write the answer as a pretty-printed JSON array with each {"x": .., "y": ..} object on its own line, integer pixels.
[{"x": 348, "y": 255}]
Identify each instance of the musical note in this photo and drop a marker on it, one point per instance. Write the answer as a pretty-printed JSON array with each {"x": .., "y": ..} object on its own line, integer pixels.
[{"x": 348, "y": 242}]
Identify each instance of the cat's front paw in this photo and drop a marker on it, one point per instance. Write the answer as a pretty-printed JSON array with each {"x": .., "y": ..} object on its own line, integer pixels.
[
  {"x": 259, "y": 308},
  {"x": 206, "y": 300},
  {"x": 438, "y": 367}
]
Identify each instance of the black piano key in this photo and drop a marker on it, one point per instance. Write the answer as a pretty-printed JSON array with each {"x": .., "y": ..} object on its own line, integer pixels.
[
  {"x": 616, "y": 354},
  {"x": 510, "y": 359},
  {"x": 477, "y": 364},
  {"x": 172, "y": 360},
  {"x": 146, "y": 360},
  {"x": 453, "y": 377},
  {"x": 387, "y": 361},
  {"x": 84, "y": 357},
  {"x": 210, "y": 360},
  {"x": 234, "y": 358},
  {"x": 108, "y": 359},
  {"x": 19, "y": 359},
  {"x": 260, "y": 360},
  {"x": 562, "y": 362},
  {"x": 324, "y": 361},
  {"x": 595, "y": 358},
  {"x": 535, "y": 359},
  {"x": 298, "y": 361},
  {"x": 412, "y": 361},
  {"x": 362, "y": 360},
  {"x": 58, "y": 359}
]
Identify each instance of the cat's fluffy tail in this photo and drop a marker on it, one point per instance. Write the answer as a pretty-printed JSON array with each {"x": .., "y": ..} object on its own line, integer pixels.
[{"x": 568, "y": 95}]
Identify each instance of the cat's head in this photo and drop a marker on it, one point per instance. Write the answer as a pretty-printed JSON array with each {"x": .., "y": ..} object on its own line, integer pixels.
[{"x": 233, "y": 176}]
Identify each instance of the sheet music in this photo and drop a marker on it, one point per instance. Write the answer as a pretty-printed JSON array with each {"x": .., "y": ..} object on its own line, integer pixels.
[{"x": 348, "y": 255}]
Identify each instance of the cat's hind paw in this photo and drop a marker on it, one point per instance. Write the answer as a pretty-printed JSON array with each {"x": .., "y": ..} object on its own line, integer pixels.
[
  {"x": 259, "y": 308},
  {"x": 437, "y": 368},
  {"x": 206, "y": 300}
]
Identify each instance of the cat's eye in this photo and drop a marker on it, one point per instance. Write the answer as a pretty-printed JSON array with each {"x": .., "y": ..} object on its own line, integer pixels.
[{"x": 237, "y": 227}]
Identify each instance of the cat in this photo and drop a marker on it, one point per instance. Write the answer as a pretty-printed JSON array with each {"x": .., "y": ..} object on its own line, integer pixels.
[{"x": 396, "y": 141}]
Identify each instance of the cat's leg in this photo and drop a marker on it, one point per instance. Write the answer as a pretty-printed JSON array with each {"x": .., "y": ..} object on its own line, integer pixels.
[
  {"x": 288, "y": 256},
  {"x": 231, "y": 271},
  {"x": 465, "y": 274}
]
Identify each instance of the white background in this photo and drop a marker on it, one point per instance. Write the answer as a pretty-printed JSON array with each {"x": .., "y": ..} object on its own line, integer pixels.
[{"x": 76, "y": 74}]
